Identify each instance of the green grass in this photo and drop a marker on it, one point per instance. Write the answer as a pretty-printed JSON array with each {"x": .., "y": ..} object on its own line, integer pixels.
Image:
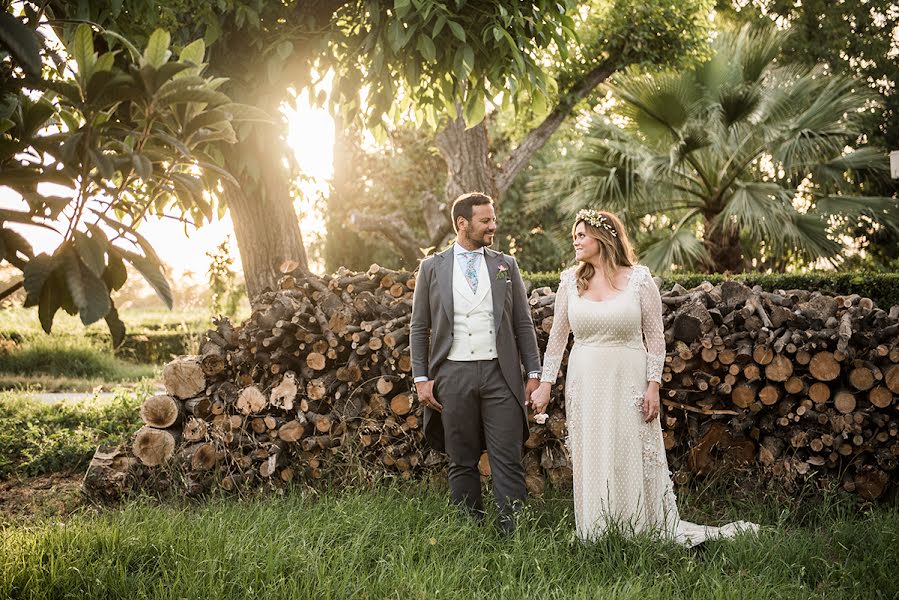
[
  {"x": 68, "y": 357},
  {"x": 38, "y": 437},
  {"x": 78, "y": 358},
  {"x": 24, "y": 322},
  {"x": 406, "y": 542}
]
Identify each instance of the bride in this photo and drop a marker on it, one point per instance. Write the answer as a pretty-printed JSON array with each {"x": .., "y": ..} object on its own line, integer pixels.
[{"x": 612, "y": 388}]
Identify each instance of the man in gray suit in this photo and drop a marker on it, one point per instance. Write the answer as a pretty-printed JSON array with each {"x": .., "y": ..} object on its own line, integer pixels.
[{"x": 471, "y": 331}]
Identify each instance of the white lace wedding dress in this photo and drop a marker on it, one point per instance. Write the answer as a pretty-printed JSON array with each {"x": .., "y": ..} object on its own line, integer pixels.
[{"x": 620, "y": 469}]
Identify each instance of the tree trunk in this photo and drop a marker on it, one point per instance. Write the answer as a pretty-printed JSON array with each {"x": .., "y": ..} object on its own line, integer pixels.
[
  {"x": 724, "y": 249},
  {"x": 467, "y": 156},
  {"x": 343, "y": 246},
  {"x": 266, "y": 225}
]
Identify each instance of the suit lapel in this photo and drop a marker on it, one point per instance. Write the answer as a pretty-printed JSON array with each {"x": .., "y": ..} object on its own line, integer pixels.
[
  {"x": 445, "y": 281},
  {"x": 497, "y": 285}
]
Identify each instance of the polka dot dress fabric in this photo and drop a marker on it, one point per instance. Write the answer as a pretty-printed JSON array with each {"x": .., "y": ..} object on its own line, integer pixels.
[{"x": 621, "y": 476}]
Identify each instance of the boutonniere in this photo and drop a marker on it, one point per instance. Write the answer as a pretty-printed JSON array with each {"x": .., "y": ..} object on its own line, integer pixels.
[{"x": 502, "y": 272}]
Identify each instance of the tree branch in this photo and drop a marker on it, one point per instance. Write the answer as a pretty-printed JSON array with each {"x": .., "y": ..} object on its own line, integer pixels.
[
  {"x": 11, "y": 290},
  {"x": 538, "y": 136},
  {"x": 394, "y": 229}
]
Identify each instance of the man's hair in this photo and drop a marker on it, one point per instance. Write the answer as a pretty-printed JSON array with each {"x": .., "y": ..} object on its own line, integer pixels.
[{"x": 464, "y": 204}]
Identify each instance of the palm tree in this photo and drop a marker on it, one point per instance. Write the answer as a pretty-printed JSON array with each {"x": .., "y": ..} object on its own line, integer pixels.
[{"x": 740, "y": 156}]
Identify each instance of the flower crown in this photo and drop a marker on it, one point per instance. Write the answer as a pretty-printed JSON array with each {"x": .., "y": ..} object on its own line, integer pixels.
[{"x": 597, "y": 219}]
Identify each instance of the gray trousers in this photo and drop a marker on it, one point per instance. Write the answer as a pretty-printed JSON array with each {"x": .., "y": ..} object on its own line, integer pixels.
[{"x": 479, "y": 409}]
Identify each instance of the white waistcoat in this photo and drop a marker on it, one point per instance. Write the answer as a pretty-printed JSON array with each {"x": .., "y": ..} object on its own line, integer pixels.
[{"x": 474, "y": 333}]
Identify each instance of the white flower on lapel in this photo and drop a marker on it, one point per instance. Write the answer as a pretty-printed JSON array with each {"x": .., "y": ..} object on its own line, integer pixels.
[{"x": 502, "y": 272}]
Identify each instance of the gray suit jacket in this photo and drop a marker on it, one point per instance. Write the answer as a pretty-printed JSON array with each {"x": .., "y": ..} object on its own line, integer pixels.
[{"x": 431, "y": 328}]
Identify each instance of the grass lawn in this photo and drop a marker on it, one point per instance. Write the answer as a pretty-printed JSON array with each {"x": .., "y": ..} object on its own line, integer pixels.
[
  {"x": 39, "y": 438},
  {"x": 404, "y": 541},
  {"x": 75, "y": 358},
  {"x": 396, "y": 540}
]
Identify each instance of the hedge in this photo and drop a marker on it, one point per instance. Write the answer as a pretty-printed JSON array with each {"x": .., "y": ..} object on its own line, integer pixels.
[{"x": 882, "y": 288}]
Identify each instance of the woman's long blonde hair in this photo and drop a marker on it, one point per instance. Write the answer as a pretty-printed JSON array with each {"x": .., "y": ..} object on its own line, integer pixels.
[{"x": 615, "y": 249}]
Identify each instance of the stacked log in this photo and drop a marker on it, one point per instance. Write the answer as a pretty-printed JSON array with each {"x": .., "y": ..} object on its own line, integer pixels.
[{"x": 319, "y": 376}]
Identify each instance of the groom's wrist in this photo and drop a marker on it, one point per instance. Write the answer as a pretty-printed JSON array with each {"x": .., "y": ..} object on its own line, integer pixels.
[{"x": 421, "y": 378}]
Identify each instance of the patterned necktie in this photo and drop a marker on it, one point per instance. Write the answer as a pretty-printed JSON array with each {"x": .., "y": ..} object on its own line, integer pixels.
[{"x": 471, "y": 273}]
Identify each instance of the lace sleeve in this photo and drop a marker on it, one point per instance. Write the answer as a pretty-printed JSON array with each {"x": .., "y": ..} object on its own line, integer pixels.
[
  {"x": 558, "y": 335},
  {"x": 653, "y": 326}
]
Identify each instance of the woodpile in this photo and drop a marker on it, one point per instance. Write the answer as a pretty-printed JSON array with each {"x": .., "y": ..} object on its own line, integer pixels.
[{"x": 319, "y": 377}]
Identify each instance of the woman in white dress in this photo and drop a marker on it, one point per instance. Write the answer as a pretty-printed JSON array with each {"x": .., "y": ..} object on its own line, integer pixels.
[{"x": 614, "y": 309}]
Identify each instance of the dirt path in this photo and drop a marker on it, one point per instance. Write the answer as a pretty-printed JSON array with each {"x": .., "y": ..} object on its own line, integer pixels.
[
  {"x": 53, "y": 495},
  {"x": 77, "y": 396}
]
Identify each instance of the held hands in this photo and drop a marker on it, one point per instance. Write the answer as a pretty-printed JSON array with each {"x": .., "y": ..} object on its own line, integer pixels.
[
  {"x": 651, "y": 402},
  {"x": 540, "y": 397},
  {"x": 425, "y": 391}
]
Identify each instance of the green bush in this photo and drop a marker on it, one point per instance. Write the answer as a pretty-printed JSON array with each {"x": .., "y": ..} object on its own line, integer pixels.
[
  {"x": 38, "y": 437},
  {"x": 882, "y": 288}
]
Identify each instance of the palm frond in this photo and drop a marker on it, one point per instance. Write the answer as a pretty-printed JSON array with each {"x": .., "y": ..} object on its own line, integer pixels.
[
  {"x": 657, "y": 104},
  {"x": 869, "y": 160},
  {"x": 678, "y": 248},
  {"x": 881, "y": 209},
  {"x": 762, "y": 209}
]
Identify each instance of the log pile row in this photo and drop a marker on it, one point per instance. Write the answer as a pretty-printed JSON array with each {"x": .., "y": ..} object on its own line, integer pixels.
[{"x": 320, "y": 376}]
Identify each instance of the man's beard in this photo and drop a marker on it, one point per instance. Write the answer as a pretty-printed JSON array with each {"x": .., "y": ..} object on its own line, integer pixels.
[{"x": 481, "y": 243}]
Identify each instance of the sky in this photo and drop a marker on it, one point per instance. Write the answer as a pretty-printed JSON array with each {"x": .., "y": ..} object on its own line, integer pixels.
[{"x": 310, "y": 136}]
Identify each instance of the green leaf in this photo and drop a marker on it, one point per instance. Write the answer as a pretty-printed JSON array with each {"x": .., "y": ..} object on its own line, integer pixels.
[
  {"x": 83, "y": 51},
  {"x": 168, "y": 72},
  {"x": 438, "y": 26},
  {"x": 116, "y": 326},
  {"x": 141, "y": 240},
  {"x": 457, "y": 30},
  {"x": 36, "y": 273},
  {"x": 142, "y": 166},
  {"x": 245, "y": 112},
  {"x": 157, "y": 52},
  {"x": 15, "y": 243},
  {"x": 208, "y": 119},
  {"x": 202, "y": 95},
  {"x": 103, "y": 163},
  {"x": 88, "y": 291},
  {"x": 115, "y": 275},
  {"x": 71, "y": 121},
  {"x": 152, "y": 274},
  {"x": 193, "y": 52},
  {"x": 427, "y": 48},
  {"x": 52, "y": 297},
  {"x": 105, "y": 62},
  {"x": 468, "y": 59},
  {"x": 91, "y": 251},
  {"x": 474, "y": 109},
  {"x": 21, "y": 42}
]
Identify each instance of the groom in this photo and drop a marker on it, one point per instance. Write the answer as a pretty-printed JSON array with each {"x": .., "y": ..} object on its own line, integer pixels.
[{"x": 471, "y": 331}]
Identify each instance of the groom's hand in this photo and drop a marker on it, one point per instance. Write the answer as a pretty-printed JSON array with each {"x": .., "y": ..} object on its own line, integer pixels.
[
  {"x": 425, "y": 391},
  {"x": 529, "y": 387}
]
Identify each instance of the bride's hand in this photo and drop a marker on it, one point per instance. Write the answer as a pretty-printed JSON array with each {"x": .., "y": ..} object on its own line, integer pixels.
[
  {"x": 651, "y": 402},
  {"x": 540, "y": 398}
]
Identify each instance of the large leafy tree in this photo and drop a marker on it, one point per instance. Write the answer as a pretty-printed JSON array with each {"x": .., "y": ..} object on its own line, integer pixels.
[
  {"x": 442, "y": 60},
  {"x": 741, "y": 157},
  {"x": 118, "y": 144},
  {"x": 602, "y": 36}
]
